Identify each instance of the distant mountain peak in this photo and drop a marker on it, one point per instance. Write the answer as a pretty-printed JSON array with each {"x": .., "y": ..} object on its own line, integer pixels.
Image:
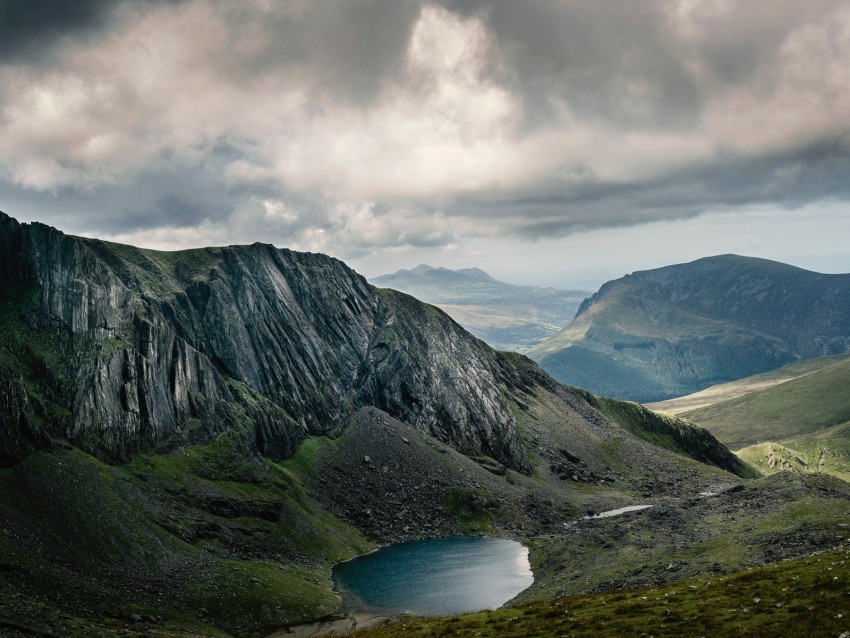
[
  {"x": 426, "y": 270},
  {"x": 419, "y": 270}
]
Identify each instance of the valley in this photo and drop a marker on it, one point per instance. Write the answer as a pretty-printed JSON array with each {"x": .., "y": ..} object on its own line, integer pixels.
[
  {"x": 795, "y": 418},
  {"x": 192, "y": 440},
  {"x": 506, "y": 316}
]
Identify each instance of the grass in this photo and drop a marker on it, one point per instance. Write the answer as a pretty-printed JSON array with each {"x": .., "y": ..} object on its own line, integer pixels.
[
  {"x": 677, "y": 435},
  {"x": 214, "y": 544},
  {"x": 748, "y": 385},
  {"x": 826, "y": 451},
  {"x": 156, "y": 271},
  {"x": 466, "y": 505},
  {"x": 800, "y": 406},
  {"x": 807, "y": 596}
]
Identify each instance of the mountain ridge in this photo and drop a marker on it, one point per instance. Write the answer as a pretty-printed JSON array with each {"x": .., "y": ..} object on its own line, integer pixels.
[
  {"x": 250, "y": 334},
  {"x": 218, "y": 427},
  {"x": 671, "y": 331}
]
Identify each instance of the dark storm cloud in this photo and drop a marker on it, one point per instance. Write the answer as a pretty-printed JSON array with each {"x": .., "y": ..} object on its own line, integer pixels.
[
  {"x": 607, "y": 59},
  {"x": 152, "y": 201},
  {"x": 31, "y": 28},
  {"x": 348, "y": 48},
  {"x": 372, "y": 123},
  {"x": 27, "y": 26},
  {"x": 812, "y": 173}
]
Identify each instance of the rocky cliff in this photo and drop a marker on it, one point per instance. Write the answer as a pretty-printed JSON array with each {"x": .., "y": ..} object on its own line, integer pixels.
[{"x": 116, "y": 349}]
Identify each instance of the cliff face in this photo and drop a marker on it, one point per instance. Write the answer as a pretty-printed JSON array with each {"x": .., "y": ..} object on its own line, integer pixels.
[{"x": 116, "y": 349}]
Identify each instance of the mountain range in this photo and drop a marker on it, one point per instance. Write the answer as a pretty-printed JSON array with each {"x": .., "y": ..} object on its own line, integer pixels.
[
  {"x": 671, "y": 331},
  {"x": 190, "y": 440},
  {"x": 506, "y": 316}
]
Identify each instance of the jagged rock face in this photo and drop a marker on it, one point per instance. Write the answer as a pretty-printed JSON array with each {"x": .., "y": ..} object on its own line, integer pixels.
[{"x": 123, "y": 349}]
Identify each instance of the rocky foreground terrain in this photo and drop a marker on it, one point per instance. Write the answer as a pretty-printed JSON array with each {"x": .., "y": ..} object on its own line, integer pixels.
[{"x": 191, "y": 440}]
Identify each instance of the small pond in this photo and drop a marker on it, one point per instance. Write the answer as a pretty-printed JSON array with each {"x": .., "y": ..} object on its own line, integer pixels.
[{"x": 436, "y": 577}]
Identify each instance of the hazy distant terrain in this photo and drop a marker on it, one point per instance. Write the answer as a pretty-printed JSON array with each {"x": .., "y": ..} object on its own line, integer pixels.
[
  {"x": 506, "y": 316},
  {"x": 795, "y": 418},
  {"x": 671, "y": 331}
]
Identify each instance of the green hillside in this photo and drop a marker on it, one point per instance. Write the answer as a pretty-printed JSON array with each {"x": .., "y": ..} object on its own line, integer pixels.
[
  {"x": 787, "y": 599},
  {"x": 734, "y": 389},
  {"x": 796, "y": 418},
  {"x": 772, "y": 409}
]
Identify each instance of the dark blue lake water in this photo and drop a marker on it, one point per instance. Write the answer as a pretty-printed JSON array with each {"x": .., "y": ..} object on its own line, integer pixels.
[{"x": 436, "y": 577}]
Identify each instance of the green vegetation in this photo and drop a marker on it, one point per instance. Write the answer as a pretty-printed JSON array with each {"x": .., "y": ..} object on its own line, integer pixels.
[
  {"x": 796, "y": 418},
  {"x": 670, "y": 433},
  {"x": 158, "y": 272},
  {"x": 826, "y": 451},
  {"x": 681, "y": 406},
  {"x": 790, "y": 598},
  {"x": 813, "y": 401},
  {"x": 205, "y": 538},
  {"x": 470, "y": 506}
]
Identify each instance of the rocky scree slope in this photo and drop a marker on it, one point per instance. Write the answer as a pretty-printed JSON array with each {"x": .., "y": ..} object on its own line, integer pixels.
[
  {"x": 675, "y": 330},
  {"x": 116, "y": 350}
]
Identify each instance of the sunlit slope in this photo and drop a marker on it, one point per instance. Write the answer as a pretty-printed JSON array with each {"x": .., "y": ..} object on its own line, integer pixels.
[
  {"x": 742, "y": 387},
  {"x": 802, "y": 405},
  {"x": 793, "y": 419},
  {"x": 826, "y": 452}
]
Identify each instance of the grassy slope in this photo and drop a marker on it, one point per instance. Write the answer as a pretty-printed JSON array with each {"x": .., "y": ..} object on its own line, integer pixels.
[
  {"x": 682, "y": 406},
  {"x": 202, "y": 539},
  {"x": 799, "y": 597},
  {"x": 803, "y": 405},
  {"x": 671, "y": 433},
  {"x": 796, "y": 418},
  {"x": 826, "y": 451}
]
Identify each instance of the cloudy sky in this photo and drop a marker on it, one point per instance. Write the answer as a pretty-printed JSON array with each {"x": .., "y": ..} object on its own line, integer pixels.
[{"x": 562, "y": 143}]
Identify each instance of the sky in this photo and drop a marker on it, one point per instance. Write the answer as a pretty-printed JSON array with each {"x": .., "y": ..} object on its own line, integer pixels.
[{"x": 552, "y": 143}]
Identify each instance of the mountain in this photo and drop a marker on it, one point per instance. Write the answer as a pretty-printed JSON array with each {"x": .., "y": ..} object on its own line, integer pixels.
[
  {"x": 118, "y": 350},
  {"x": 191, "y": 440},
  {"x": 506, "y": 316},
  {"x": 796, "y": 418},
  {"x": 672, "y": 331}
]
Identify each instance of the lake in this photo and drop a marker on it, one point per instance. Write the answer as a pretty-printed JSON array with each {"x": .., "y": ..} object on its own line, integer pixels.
[{"x": 436, "y": 577}]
